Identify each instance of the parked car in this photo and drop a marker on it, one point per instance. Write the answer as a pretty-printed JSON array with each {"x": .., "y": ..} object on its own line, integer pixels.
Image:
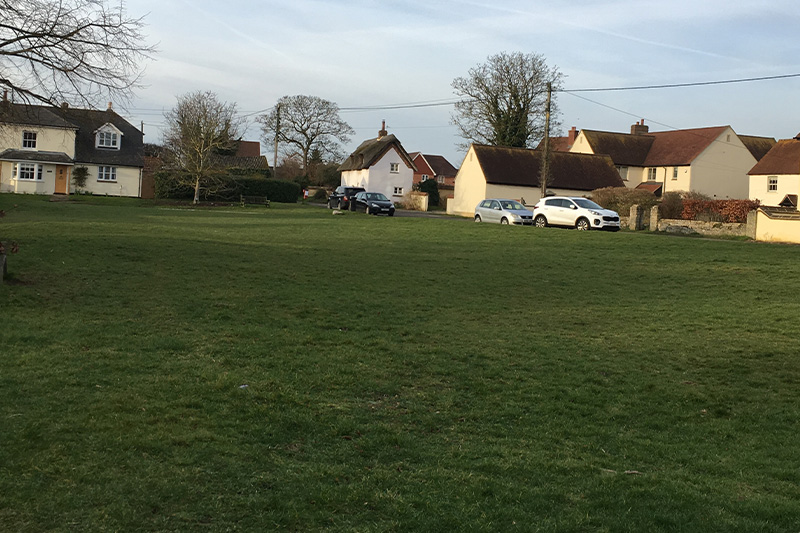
[
  {"x": 341, "y": 196},
  {"x": 503, "y": 211},
  {"x": 373, "y": 203},
  {"x": 576, "y": 212}
]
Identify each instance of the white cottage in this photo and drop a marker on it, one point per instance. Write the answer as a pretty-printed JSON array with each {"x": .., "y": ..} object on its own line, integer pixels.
[
  {"x": 41, "y": 146},
  {"x": 380, "y": 165}
]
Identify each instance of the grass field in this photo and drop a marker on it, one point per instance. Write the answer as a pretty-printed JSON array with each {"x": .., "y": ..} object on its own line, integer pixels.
[{"x": 230, "y": 369}]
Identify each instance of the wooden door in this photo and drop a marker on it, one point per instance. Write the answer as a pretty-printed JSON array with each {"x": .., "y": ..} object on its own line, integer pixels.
[{"x": 62, "y": 179}]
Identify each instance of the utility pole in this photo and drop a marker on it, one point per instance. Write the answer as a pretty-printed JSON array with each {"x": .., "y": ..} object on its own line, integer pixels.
[
  {"x": 544, "y": 174},
  {"x": 277, "y": 132}
]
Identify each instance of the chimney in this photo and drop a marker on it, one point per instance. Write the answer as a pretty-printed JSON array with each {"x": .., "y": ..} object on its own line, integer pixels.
[
  {"x": 639, "y": 128},
  {"x": 573, "y": 133},
  {"x": 5, "y": 96},
  {"x": 64, "y": 106},
  {"x": 109, "y": 107},
  {"x": 383, "y": 132}
]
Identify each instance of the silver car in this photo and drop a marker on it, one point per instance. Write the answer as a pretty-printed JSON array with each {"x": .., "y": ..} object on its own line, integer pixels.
[{"x": 503, "y": 211}]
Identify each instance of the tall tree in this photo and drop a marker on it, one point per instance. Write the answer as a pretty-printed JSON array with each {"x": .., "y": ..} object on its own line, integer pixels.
[
  {"x": 502, "y": 101},
  {"x": 305, "y": 124},
  {"x": 198, "y": 128},
  {"x": 76, "y": 51}
]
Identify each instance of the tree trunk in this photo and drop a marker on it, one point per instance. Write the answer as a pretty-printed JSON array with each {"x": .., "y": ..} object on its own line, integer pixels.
[{"x": 196, "y": 191}]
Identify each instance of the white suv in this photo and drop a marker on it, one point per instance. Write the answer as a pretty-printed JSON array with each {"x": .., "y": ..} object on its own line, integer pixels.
[{"x": 576, "y": 212}]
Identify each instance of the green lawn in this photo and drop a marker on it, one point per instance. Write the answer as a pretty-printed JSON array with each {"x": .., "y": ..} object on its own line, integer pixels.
[{"x": 230, "y": 369}]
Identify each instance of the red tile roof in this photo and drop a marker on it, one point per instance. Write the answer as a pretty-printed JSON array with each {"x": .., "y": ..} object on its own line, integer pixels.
[
  {"x": 521, "y": 167},
  {"x": 783, "y": 158}
]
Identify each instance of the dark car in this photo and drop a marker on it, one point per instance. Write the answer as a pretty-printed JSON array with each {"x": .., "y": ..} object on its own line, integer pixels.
[
  {"x": 340, "y": 198},
  {"x": 373, "y": 203}
]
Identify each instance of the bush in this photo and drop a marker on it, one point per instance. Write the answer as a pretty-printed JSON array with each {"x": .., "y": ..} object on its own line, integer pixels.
[
  {"x": 671, "y": 205},
  {"x": 718, "y": 210},
  {"x": 620, "y": 199},
  {"x": 227, "y": 188},
  {"x": 432, "y": 188}
]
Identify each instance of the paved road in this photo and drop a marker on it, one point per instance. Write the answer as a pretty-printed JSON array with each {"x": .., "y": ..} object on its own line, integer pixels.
[{"x": 410, "y": 214}]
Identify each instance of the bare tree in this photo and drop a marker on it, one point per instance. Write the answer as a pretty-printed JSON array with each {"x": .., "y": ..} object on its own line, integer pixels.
[
  {"x": 502, "y": 101},
  {"x": 76, "y": 51},
  {"x": 306, "y": 124},
  {"x": 198, "y": 128}
]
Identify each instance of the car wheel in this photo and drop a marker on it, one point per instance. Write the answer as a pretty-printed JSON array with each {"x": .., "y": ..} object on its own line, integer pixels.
[
  {"x": 540, "y": 222},
  {"x": 504, "y": 221},
  {"x": 330, "y": 205},
  {"x": 583, "y": 225},
  {"x": 477, "y": 218}
]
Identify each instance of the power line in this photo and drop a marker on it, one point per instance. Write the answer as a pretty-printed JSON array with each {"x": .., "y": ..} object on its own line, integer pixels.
[{"x": 673, "y": 85}]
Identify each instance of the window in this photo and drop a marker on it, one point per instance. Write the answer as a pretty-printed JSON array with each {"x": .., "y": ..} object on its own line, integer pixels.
[
  {"x": 440, "y": 179},
  {"x": 394, "y": 168},
  {"x": 675, "y": 173},
  {"x": 29, "y": 139},
  {"x": 651, "y": 174},
  {"x": 107, "y": 139},
  {"x": 772, "y": 184},
  {"x": 424, "y": 177},
  {"x": 398, "y": 191},
  {"x": 106, "y": 173},
  {"x": 28, "y": 171},
  {"x": 623, "y": 173}
]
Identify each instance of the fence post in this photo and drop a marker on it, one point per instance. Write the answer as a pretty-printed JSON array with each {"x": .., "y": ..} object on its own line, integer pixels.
[
  {"x": 635, "y": 221},
  {"x": 655, "y": 216}
]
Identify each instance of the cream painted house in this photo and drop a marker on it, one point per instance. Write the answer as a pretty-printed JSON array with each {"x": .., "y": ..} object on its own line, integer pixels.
[
  {"x": 500, "y": 172},
  {"x": 775, "y": 180},
  {"x": 41, "y": 146},
  {"x": 380, "y": 165},
  {"x": 712, "y": 161}
]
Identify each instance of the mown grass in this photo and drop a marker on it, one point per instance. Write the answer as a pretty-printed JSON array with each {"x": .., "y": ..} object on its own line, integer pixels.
[{"x": 168, "y": 369}]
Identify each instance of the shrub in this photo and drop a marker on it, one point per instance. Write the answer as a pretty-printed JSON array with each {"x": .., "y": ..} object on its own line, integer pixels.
[
  {"x": 432, "y": 188},
  {"x": 718, "y": 210},
  {"x": 227, "y": 188},
  {"x": 671, "y": 205},
  {"x": 79, "y": 177},
  {"x": 620, "y": 199},
  {"x": 320, "y": 194}
]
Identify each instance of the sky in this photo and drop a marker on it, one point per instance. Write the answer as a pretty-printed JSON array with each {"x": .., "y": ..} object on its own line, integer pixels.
[{"x": 366, "y": 53}]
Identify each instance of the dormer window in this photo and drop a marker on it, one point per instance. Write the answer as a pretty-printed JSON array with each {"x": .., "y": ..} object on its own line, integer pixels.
[
  {"x": 108, "y": 137},
  {"x": 29, "y": 139}
]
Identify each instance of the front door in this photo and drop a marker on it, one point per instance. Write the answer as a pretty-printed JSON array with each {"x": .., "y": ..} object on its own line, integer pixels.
[{"x": 62, "y": 179}]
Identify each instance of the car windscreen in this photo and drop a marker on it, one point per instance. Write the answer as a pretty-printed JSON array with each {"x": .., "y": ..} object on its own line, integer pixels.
[
  {"x": 377, "y": 197},
  {"x": 511, "y": 205},
  {"x": 586, "y": 204}
]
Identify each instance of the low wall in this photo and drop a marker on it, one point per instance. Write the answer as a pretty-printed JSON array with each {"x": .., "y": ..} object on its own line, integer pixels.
[
  {"x": 777, "y": 226},
  {"x": 704, "y": 228}
]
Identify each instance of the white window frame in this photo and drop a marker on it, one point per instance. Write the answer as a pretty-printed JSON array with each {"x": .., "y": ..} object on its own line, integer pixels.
[
  {"x": 398, "y": 191},
  {"x": 29, "y": 139},
  {"x": 31, "y": 169},
  {"x": 424, "y": 177},
  {"x": 623, "y": 173},
  {"x": 107, "y": 174},
  {"x": 440, "y": 180},
  {"x": 394, "y": 168},
  {"x": 651, "y": 174},
  {"x": 772, "y": 184},
  {"x": 674, "y": 173},
  {"x": 107, "y": 139}
]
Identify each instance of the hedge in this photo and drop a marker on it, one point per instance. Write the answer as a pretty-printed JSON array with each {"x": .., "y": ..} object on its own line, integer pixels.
[
  {"x": 227, "y": 188},
  {"x": 718, "y": 210}
]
